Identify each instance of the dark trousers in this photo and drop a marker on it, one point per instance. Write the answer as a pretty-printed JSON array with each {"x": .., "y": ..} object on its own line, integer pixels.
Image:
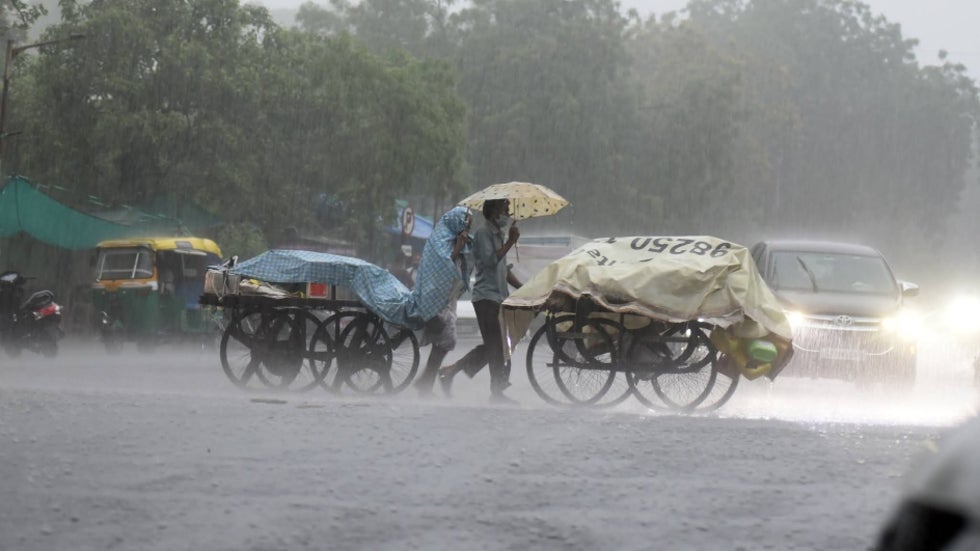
[{"x": 491, "y": 351}]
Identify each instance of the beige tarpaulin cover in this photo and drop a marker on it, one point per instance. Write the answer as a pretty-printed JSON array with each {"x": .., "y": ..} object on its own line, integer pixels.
[{"x": 669, "y": 278}]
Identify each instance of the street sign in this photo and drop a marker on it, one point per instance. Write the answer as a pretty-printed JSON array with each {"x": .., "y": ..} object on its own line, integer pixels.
[{"x": 408, "y": 221}]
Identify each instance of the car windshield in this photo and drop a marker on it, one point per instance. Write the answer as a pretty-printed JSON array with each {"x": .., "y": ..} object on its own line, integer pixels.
[
  {"x": 124, "y": 263},
  {"x": 830, "y": 272}
]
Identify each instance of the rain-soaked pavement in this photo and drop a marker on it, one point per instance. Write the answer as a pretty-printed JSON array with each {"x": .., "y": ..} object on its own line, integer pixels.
[{"x": 160, "y": 451}]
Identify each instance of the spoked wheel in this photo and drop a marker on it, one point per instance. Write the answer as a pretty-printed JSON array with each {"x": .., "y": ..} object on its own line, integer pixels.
[
  {"x": 325, "y": 347},
  {"x": 369, "y": 361},
  {"x": 271, "y": 348},
  {"x": 672, "y": 367},
  {"x": 280, "y": 347},
  {"x": 287, "y": 335},
  {"x": 404, "y": 356},
  {"x": 322, "y": 350},
  {"x": 726, "y": 381},
  {"x": 576, "y": 366},
  {"x": 239, "y": 339}
]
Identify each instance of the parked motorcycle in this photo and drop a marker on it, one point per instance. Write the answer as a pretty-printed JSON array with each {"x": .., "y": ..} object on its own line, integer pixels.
[{"x": 34, "y": 324}]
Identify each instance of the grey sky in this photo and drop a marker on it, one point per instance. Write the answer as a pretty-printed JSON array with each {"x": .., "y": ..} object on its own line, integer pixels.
[{"x": 937, "y": 24}]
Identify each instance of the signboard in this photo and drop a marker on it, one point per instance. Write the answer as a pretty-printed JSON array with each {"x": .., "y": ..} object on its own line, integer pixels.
[{"x": 408, "y": 221}]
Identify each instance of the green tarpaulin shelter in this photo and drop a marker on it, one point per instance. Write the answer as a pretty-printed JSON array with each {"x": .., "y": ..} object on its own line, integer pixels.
[{"x": 24, "y": 208}]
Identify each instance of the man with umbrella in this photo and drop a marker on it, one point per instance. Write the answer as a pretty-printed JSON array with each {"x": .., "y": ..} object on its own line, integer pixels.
[{"x": 490, "y": 250}]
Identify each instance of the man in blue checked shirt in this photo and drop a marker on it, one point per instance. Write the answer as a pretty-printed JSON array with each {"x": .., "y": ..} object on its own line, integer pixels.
[{"x": 489, "y": 291}]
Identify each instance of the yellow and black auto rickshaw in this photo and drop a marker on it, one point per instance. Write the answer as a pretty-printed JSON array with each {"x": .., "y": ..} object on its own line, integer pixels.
[{"x": 147, "y": 289}]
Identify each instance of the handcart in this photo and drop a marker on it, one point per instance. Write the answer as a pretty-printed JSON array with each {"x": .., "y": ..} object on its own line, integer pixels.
[
  {"x": 302, "y": 336},
  {"x": 672, "y": 321}
]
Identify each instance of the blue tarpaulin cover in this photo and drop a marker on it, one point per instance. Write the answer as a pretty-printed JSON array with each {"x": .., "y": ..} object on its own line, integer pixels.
[{"x": 379, "y": 290}]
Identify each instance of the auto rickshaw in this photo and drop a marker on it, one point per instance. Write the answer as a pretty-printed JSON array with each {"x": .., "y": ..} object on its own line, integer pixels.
[{"x": 147, "y": 289}]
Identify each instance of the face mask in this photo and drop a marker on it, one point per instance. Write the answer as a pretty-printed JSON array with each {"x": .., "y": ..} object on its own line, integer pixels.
[{"x": 503, "y": 221}]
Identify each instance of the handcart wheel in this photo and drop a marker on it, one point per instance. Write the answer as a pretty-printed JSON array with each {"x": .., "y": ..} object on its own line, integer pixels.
[
  {"x": 364, "y": 356},
  {"x": 540, "y": 360},
  {"x": 672, "y": 368},
  {"x": 322, "y": 351},
  {"x": 281, "y": 347},
  {"x": 239, "y": 338},
  {"x": 301, "y": 328},
  {"x": 369, "y": 360},
  {"x": 575, "y": 366},
  {"x": 405, "y": 356},
  {"x": 268, "y": 347},
  {"x": 726, "y": 381},
  {"x": 325, "y": 348}
]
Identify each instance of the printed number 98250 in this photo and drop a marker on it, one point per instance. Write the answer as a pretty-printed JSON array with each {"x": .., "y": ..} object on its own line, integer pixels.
[{"x": 679, "y": 245}]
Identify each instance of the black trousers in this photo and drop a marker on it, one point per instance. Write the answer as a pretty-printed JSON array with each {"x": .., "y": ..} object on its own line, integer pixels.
[{"x": 491, "y": 352}]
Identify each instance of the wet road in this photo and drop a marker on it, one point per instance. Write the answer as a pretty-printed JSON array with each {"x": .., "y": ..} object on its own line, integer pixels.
[{"x": 161, "y": 452}]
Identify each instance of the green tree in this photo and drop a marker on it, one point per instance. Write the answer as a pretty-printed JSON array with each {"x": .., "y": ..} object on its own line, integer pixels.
[
  {"x": 862, "y": 135},
  {"x": 420, "y": 27},
  {"x": 691, "y": 151},
  {"x": 548, "y": 102},
  {"x": 374, "y": 128},
  {"x": 157, "y": 97},
  {"x": 211, "y": 101}
]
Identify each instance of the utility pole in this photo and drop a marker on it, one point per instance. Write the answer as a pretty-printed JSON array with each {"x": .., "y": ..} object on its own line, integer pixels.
[{"x": 11, "y": 53}]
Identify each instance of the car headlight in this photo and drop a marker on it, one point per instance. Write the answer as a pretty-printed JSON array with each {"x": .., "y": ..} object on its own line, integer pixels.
[
  {"x": 906, "y": 324},
  {"x": 962, "y": 316}
]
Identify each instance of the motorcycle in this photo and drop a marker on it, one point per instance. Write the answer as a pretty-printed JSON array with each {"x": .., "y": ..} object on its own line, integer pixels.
[{"x": 34, "y": 324}]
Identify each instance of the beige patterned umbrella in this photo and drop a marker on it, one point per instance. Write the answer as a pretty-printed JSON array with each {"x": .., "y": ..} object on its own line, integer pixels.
[{"x": 526, "y": 200}]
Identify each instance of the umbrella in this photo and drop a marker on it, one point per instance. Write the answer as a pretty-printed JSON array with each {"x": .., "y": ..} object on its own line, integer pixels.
[{"x": 526, "y": 200}]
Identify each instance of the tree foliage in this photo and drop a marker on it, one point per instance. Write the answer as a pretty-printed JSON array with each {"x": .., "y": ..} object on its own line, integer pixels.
[
  {"x": 212, "y": 101},
  {"x": 863, "y": 135},
  {"x": 736, "y": 117},
  {"x": 548, "y": 100}
]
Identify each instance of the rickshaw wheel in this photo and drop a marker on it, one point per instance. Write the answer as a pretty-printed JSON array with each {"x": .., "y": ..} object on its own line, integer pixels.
[
  {"x": 679, "y": 374},
  {"x": 239, "y": 360},
  {"x": 577, "y": 367}
]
